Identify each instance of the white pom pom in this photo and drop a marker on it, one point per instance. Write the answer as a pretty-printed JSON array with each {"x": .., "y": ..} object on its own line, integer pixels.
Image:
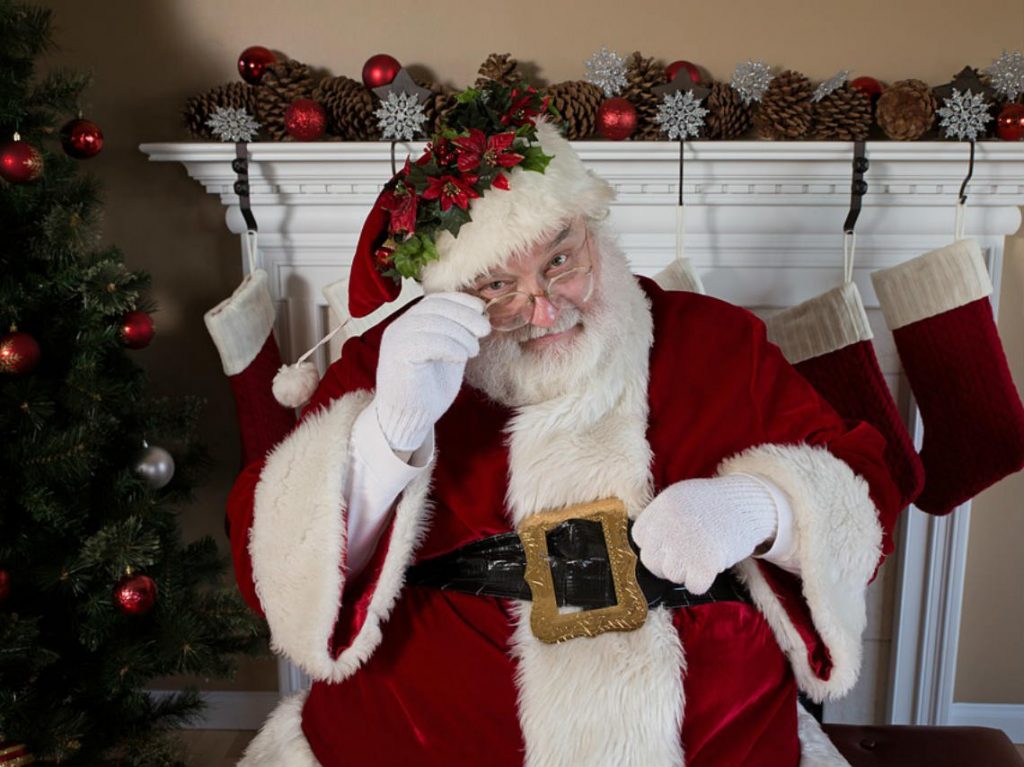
[{"x": 295, "y": 384}]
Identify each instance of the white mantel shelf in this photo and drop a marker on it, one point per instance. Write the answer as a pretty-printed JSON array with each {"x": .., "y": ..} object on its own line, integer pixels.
[{"x": 716, "y": 172}]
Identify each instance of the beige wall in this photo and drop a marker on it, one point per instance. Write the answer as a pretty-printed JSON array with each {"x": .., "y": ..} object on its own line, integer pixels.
[{"x": 148, "y": 56}]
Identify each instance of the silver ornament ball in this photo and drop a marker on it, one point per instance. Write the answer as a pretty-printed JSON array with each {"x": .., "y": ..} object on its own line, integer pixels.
[{"x": 155, "y": 465}]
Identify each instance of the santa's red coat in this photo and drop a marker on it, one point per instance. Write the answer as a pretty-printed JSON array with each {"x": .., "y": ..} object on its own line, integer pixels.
[{"x": 417, "y": 676}]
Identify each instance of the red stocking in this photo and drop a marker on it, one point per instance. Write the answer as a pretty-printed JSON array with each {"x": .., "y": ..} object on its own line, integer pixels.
[
  {"x": 828, "y": 340},
  {"x": 241, "y": 328},
  {"x": 937, "y": 308}
]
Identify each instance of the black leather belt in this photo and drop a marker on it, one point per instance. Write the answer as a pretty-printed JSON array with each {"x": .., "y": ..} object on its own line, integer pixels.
[{"x": 580, "y": 570}]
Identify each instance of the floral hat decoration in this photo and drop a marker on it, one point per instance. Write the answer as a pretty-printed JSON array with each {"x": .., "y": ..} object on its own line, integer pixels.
[{"x": 497, "y": 178}]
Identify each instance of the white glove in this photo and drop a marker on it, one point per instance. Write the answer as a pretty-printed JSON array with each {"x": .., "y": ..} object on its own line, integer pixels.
[
  {"x": 423, "y": 357},
  {"x": 697, "y": 528}
]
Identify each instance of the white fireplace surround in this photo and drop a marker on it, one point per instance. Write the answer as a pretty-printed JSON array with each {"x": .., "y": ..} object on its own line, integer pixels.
[{"x": 764, "y": 230}]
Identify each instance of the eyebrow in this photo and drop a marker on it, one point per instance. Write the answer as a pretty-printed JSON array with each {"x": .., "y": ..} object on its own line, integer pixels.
[{"x": 560, "y": 236}]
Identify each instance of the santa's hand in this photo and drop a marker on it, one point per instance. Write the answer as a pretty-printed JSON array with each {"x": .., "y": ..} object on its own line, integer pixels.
[
  {"x": 697, "y": 528},
  {"x": 423, "y": 357}
]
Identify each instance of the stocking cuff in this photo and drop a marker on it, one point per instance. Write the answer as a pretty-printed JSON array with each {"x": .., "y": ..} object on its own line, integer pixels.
[
  {"x": 680, "y": 275},
  {"x": 821, "y": 325},
  {"x": 239, "y": 325},
  {"x": 936, "y": 282}
]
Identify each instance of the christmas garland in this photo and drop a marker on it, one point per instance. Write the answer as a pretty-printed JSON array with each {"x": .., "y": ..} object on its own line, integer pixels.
[{"x": 618, "y": 98}]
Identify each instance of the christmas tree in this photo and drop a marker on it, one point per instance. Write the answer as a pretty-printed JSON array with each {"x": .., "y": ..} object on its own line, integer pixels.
[{"x": 98, "y": 592}]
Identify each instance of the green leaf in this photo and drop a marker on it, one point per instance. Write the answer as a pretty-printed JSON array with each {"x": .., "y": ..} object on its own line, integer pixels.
[
  {"x": 536, "y": 159},
  {"x": 453, "y": 219},
  {"x": 468, "y": 95}
]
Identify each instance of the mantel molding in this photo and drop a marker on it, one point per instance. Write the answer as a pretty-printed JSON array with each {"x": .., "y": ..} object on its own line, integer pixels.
[{"x": 715, "y": 172}]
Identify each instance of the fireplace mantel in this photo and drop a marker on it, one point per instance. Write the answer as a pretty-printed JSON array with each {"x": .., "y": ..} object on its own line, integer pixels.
[{"x": 763, "y": 229}]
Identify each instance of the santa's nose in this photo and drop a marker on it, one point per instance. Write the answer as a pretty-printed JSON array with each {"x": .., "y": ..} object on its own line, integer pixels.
[{"x": 545, "y": 313}]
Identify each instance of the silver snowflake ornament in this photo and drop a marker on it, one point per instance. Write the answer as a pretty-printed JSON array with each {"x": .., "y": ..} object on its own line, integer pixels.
[
  {"x": 607, "y": 70},
  {"x": 681, "y": 116},
  {"x": 964, "y": 115},
  {"x": 831, "y": 85},
  {"x": 1007, "y": 74},
  {"x": 234, "y": 125},
  {"x": 751, "y": 79},
  {"x": 400, "y": 116}
]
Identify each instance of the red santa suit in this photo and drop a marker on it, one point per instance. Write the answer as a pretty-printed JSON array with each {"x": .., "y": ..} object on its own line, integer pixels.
[{"x": 412, "y": 675}]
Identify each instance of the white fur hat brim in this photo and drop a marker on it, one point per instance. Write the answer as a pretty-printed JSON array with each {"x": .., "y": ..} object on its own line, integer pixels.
[{"x": 509, "y": 221}]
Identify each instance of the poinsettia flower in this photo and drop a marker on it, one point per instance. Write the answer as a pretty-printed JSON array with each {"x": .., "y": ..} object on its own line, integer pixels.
[
  {"x": 451, "y": 189},
  {"x": 500, "y": 182},
  {"x": 520, "y": 113},
  {"x": 494, "y": 151},
  {"x": 400, "y": 202}
]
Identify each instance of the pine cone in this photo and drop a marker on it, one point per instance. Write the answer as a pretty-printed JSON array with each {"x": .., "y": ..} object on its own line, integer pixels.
[
  {"x": 500, "y": 67},
  {"x": 906, "y": 110},
  {"x": 438, "y": 106},
  {"x": 642, "y": 74},
  {"x": 577, "y": 101},
  {"x": 785, "y": 111},
  {"x": 349, "y": 106},
  {"x": 728, "y": 117},
  {"x": 199, "y": 109},
  {"x": 281, "y": 84},
  {"x": 843, "y": 115}
]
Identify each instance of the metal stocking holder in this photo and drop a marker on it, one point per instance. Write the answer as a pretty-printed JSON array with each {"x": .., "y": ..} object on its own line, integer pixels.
[{"x": 858, "y": 188}]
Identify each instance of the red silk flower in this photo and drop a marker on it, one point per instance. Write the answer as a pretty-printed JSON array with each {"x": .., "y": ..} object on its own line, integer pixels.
[
  {"x": 451, "y": 189},
  {"x": 494, "y": 151},
  {"x": 400, "y": 202},
  {"x": 519, "y": 113}
]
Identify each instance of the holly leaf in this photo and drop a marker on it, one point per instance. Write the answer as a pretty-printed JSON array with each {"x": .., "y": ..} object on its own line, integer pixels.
[
  {"x": 453, "y": 219},
  {"x": 536, "y": 159},
  {"x": 468, "y": 95}
]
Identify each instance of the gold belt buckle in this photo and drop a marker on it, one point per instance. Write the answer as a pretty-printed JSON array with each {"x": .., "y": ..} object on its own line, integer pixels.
[{"x": 630, "y": 610}]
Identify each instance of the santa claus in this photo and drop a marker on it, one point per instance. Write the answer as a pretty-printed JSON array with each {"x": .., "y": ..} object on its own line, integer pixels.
[{"x": 551, "y": 514}]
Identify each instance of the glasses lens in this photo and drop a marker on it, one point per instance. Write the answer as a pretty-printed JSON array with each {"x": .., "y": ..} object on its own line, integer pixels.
[
  {"x": 509, "y": 312},
  {"x": 572, "y": 288}
]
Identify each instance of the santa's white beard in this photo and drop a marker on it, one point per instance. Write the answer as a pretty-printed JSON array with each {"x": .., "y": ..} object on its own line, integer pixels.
[{"x": 590, "y": 361}]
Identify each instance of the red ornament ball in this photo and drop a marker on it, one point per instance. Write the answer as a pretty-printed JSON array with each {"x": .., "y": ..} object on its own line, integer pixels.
[
  {"x": 5, "y": 585},
  {"x": 869, "y": 86},
  {"x": 305, "y": 120},
  {"x": 1010, "y": 123},
  {"x": 20, "y": 162},
  {"x": 137, "y": 330},
  {"x": 691, "y": 69},
  {"x": 81, "y": 139},
  {"x": 616, "y": 119},
  {"x": 19, "y": 353},
  {"x": 254, "y": 62},
  {"x": 380, "y": 70},
  {"x": 135, "y": 594}
]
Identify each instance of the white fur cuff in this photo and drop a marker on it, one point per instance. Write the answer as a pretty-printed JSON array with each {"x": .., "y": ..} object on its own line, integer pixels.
[
  {"x": 297, "y": 542},
  {"x": 823, "y": 324},
  {"x": 239, "y": 325},
  {"x": 839, "y": 542},
  {"x": 937, "y": 282}
]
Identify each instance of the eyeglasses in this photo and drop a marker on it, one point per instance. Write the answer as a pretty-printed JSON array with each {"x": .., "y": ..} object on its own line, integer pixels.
[{"x": 569, "y": 284}]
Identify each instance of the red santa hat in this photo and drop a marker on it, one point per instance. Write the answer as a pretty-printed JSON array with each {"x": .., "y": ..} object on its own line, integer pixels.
[{"x": 498, "y": 191}]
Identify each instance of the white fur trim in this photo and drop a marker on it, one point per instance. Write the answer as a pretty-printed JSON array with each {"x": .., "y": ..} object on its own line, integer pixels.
[
  {"x": 816, "y": 750},
  {"x": 280, "y": 742},
  {"x": 582, "y": 446},
  {"x": 239, "y": 325},
  {"x": 823, "y": 324},
  {"x": 509, "y": 221},
  {"x": 680, "y": 275},
  {"x": 838, "y": 542},
  {"x": 936, "y": 282},
  {"x": 297, "y": 542}
]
